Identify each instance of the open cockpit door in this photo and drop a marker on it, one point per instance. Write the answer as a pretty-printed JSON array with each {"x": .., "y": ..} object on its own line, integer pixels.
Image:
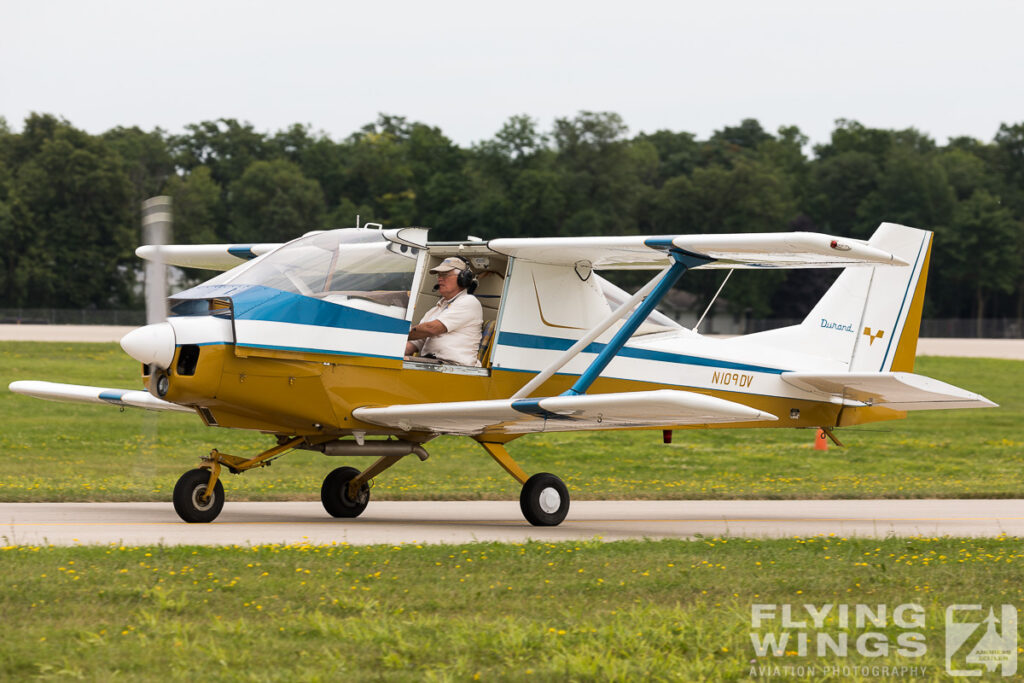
[{"x": 490, "y": 270}]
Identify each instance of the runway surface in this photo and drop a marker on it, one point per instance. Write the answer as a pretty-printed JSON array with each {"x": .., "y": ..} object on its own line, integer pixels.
[{"x": 461, "y": 522}]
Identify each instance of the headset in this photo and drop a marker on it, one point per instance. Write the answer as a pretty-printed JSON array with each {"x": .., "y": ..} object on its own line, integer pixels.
[{"x": 466, "y": 278}]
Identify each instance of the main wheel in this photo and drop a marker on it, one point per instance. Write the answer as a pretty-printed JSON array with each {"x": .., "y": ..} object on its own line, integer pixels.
[
  {"x": 544, "y": 500},
  {"x": 189, "y": 493},
  {"x": 334, "y": 494}
]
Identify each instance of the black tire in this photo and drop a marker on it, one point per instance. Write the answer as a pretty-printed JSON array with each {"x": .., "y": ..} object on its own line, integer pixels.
[
  {"x": 544, "y": 500},
  {"x": 334, "y": 494},
  {"x": 188, "y": 497}
]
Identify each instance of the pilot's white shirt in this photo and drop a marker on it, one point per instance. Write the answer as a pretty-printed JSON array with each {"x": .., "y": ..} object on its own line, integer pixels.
[{"x": 463, "y": 317}]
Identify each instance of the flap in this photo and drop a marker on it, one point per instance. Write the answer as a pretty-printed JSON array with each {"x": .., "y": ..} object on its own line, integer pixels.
[
  {"x": 665, "y": 407},
  {"x": 897, "y": 390},
  {"x": 76, "y": 393}
]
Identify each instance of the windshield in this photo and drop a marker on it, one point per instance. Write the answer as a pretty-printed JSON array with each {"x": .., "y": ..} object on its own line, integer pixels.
[{"x": 335, "y": 265}]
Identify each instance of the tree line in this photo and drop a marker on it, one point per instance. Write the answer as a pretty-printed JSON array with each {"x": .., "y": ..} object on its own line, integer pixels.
[{"x": 69, "y": 200}]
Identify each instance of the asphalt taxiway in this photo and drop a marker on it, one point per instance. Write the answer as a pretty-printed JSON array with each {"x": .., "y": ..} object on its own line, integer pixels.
[{"x": 466, "y": 521}]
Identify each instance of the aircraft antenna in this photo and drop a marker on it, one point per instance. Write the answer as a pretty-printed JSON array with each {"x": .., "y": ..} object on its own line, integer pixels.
[{"x": 713, "y": 299}]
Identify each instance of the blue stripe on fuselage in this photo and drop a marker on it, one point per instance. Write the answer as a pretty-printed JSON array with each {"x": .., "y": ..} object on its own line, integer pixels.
[
  {"x": 532, "y": 341},
  {"x": 275, "y": 305}
]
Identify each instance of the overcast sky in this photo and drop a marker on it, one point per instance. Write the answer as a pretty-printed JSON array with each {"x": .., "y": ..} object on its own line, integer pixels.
[{"x": 946, "y": 68}]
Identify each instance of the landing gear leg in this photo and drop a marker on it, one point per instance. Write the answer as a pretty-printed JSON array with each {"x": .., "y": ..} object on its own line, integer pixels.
[
  {"x": 544, "y": 499},
  {"x": 199, "y": 495}
]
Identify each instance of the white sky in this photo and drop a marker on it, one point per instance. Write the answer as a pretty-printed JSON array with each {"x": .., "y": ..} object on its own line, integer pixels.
[{"x": 947, "y": 68}]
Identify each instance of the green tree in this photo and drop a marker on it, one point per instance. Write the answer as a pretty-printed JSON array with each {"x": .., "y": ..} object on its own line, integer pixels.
[
  {"x": 319, "y": 158},
  {"x": 751, "y": 196},
  {"x": 196, "y": 206},
  {"x": 678, "y": 153},
  {"x": 976, "y": 250},
  {"x": 599, "y": 175},
  {"x": 147, "y": 159},
  {"x": 69, "y": 233},
  {"x": 836, "y": 186},
  {"x": 274, "y": 202},
  {"x": 912, "y": 189},
  {"x": 226, "y": 146},
  {"x": 378, "y": 174}
]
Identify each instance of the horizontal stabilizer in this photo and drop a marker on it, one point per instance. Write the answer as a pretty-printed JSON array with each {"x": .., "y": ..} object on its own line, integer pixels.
[
  {"x": 896, "y": 390},
  {"x": 206, "y": 256},
  {"x": 741, "y": 250},
  {"x": 76, "y": 393},
  {"x": 563, "y": 413}
]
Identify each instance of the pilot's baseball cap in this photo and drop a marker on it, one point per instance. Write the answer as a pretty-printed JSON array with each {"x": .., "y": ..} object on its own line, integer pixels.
[{"x": 450, "y": 263}]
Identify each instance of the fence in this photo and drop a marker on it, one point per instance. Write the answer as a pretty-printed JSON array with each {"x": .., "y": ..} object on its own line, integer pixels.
[
  {"x": 958, "y": 328},
  {"x": 717, "y": 324},
  {"x": 62, "y": 316}
]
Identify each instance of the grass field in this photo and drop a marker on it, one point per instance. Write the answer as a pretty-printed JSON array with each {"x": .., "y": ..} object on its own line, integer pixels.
[
  {"x": 64, "y": 452},
  {"x": 666, "y": 610}
]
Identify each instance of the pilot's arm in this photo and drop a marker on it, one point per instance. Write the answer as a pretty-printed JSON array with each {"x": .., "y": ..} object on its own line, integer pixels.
[{"x": 431, "y": 328}]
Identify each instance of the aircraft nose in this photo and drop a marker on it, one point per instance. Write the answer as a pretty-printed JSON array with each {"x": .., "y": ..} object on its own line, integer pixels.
[{"x": 152, "y": 344}]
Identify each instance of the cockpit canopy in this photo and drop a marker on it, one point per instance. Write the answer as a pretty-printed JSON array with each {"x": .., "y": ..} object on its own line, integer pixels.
[
  {"x": 347, "y": 260},
  {"x": 350, "y": 266}
]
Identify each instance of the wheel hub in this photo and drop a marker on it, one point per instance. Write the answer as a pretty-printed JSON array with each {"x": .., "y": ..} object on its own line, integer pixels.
[
  {"x": 198, "y": 500},
  {"x": 550, "y": 500}
]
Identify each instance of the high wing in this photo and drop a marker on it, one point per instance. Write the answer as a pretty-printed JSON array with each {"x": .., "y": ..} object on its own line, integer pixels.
[
  {"x": 206, "y": 256},
  {"x": 76, "y": 393},
  {"x": 743, "y": 250},
  {"x": 663, "y": 407},
  {"x": 897, "y": 390}
]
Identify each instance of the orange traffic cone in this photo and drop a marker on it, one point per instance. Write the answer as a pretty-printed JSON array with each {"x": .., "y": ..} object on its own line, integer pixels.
[{"x": 821, "y": 441}]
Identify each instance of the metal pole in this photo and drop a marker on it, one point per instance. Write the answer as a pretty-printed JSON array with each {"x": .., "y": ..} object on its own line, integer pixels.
[{"x": 156, "y": 229}]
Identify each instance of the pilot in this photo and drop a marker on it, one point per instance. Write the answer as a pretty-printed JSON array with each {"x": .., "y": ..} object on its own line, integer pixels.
[{"x": 450, "y": 331}]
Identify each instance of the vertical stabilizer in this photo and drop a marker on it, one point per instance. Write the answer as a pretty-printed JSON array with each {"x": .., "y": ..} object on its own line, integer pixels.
[
  {"x": 891, "y": 321},
  {"x": 869, "y": 319}
]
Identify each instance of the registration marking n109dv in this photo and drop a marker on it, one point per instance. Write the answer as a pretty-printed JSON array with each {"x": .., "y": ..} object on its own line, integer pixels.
[{"x": 732, "y": 379}]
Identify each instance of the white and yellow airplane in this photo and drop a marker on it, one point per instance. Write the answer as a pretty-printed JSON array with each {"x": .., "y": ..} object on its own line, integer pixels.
[{"x": 304, "y": 341}]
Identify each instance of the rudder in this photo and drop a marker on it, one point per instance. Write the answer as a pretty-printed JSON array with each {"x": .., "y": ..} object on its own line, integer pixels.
[{"x": 891, "y": 322}]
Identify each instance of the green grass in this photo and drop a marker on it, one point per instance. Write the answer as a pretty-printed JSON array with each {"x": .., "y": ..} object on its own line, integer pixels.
[
  {"x": 52, "y": 451},
  {"x": 665, "y": 610}
]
